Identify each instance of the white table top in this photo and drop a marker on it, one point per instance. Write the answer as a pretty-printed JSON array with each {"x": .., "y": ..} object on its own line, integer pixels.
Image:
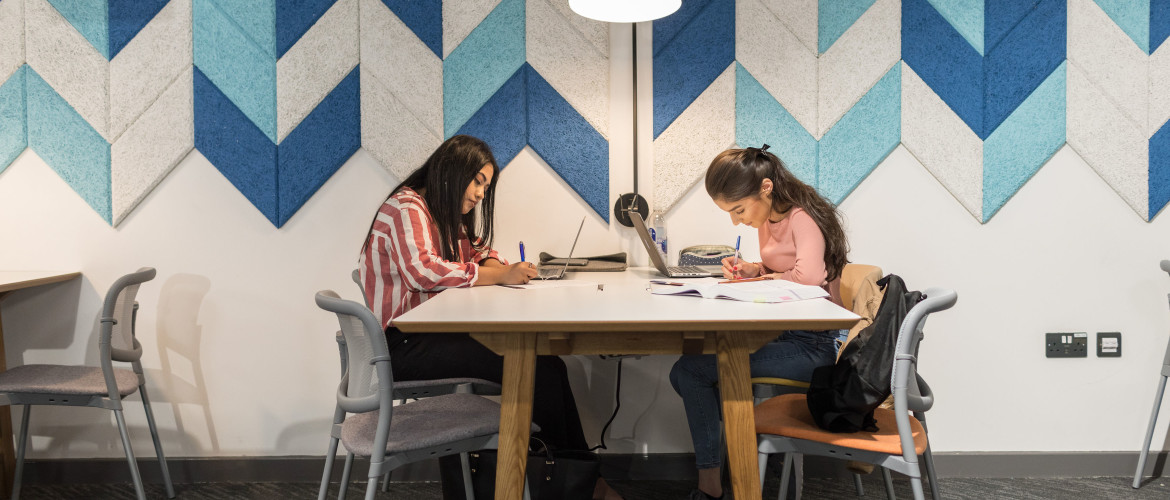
[
  {"x": 15, "y": 280},
  {"x": 625, "y": 304}
]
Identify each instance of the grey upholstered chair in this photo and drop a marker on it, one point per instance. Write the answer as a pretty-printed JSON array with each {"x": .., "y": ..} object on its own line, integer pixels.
[
  {"x": 785, "y": 425},
  {"x": 99, "y": 387},
  {"x": 394, "y": 435},
  {"x": 1141, "y": 466}
]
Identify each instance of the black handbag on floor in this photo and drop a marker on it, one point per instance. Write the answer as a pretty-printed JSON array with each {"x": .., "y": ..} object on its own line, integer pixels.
[{"x": 552, "y": 474}]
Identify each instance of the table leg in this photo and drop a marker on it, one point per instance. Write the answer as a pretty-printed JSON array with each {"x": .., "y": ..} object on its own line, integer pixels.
[
  {"x": 739, "y": 418},
  {"x": 9, "y": 455},
  {"x": 515, "y": 414}
]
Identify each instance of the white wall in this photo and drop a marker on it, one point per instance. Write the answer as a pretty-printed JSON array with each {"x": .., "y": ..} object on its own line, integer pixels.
[{"x": 242, "y": 363}]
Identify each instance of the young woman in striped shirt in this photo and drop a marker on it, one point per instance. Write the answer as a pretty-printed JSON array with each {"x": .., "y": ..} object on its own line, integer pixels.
[{"x": 428, "y": 236}]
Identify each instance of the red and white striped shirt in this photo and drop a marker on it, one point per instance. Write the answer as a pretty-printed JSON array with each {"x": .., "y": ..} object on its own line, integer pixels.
[{"x": 402, "y": 265}]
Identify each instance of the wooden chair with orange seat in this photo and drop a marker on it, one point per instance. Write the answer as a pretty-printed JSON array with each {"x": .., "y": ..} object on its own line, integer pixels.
[
  {"x": 785, "y": 425},
  {"x": 859, "y": 292}
]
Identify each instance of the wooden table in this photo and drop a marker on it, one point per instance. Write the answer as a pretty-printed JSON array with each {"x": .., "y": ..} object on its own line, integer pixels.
[
  {"x": 11, "y": 281},
  {"x": 622, "y": 318}
]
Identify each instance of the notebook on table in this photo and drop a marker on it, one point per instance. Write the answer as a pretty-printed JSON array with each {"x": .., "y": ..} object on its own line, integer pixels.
[
  {"x": 660, "y": 264},
  {"x": 558, "y": 272}
]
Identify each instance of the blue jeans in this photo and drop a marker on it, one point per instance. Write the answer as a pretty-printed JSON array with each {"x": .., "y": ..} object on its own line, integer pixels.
[{"x": 793, "y": 356}]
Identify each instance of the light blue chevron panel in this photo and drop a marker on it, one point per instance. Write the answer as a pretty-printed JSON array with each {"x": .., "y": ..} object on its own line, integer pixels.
[
  {"x": 834, "y": 17},
  {"x": 479, "y": 66},
  {"x": 1024, "y": 142},
  {"x": 529, "y": 74},
  {"x": 244, "y": 70},
  {"x": 760, "y": 120},
  {"x": 861, "y": 139},
  {"x": 69, "y": 144},
  {"x": 13, "y": 129},
  {"x": 90, "y": 18}
]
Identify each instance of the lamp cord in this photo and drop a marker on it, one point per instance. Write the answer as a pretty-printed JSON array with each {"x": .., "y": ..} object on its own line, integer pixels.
[{"x": 616, "y": 406}]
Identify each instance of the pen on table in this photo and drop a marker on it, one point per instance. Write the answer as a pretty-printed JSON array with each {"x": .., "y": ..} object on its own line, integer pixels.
[
  {"x": 735, "y": 268},
  {"x": 521, "y": 251},
  {"x": 745, "y": 280}
]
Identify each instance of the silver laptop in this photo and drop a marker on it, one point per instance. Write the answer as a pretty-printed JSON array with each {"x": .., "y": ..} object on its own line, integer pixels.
[
  {"x": 558, "y": 272},
  {"x": 656, "y": 258}
]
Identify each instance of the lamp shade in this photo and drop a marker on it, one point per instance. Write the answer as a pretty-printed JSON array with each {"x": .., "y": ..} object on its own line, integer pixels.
[{"x": 624, "y": 11}]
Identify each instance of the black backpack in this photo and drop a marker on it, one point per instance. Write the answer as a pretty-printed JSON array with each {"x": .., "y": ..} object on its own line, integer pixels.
[{"x": 842, "y": 397}]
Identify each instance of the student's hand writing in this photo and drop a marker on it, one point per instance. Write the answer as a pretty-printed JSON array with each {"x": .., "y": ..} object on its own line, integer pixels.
[
  {"x": 520, "y": 273},
  {"x": 745, "y": 269}
]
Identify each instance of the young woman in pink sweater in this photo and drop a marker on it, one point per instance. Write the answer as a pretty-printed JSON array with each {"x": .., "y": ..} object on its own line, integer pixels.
[{"x": 801, "y": 240}]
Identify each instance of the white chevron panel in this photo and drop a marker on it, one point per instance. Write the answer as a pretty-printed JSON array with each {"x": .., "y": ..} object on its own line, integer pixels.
[
  {"x": 11, "y": 37},
  {"x": 392, "y": 134},
  {"x": 146, "y": 66},
  {"x": 683, "y": 151},
  {"x": 569, "y": 61},
  {"x": 460, "y": 18},
  {"x": 1108, "y": 140},
  {"x": 313, "y": 66},
  {"x": 778, "y": 60},
  {"x": 942, "y": 142},
  {"x": 1159, "y": 88},
  {"x": 1109, "y": 58},
  {"x": 69, "y": 63},
  {"x": 392, "y": 54},
  {"x": 596, "y": 32},
  {"x": 800, "y": 16},
  {"x": 857, "y": 60},
  {"x": 152, "y": 146}
]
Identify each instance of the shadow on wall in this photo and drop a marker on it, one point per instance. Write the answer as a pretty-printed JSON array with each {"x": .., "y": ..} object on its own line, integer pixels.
[
  {"x": 44, "y": 317},
  {"x": 179, "y": 341}
]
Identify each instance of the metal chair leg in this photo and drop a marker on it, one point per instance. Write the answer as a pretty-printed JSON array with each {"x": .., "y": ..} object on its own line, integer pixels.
[
  {"x": 785, "y": 475},
  {"x": 345, "y": 476},
  {"x": 329, "y": 457},
  {"x": 857, "y": 484},
  {"x": 889, "y": 484},
  {"x": 916, "y": 488},
  {"x": 468, "y": 489},
  {"x": 162, "y": 459},
  {"x": 134, "y": 475},
  {"x": 1141, "y": 466},
  {"x": 386, "y": 482},
  {"x": 928, "y": 458},
  {"x": 763, "y": 460},
  {"x": 20, "y": 453}
]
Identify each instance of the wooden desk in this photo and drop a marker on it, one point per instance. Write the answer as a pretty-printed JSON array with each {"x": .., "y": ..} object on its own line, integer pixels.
[
  {"x": 11, "y": 281},
  {"x": 624, "y": 318}
]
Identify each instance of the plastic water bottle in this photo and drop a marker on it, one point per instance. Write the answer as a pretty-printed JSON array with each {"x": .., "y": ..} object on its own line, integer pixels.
[{"x": 658, "y": 233}]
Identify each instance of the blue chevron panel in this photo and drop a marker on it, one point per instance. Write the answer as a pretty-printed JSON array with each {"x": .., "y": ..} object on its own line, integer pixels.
[
  {"x": 231, "y": 142},
  {"x": 127, "y": 18},
  {"x": 294, "y": 18},
  {"x": 1024, "y": 142},
  {"x": 68, "y": 144},
  {"x": 487, "y": 58},
  {"x": 424, "y": 18},
  {"x": 867, "y": 133},
  {"x": 1159, "y": 170},
  {"x": 759, "y": 119},
  {"x": 257, "y": 19},
  {"x": 318, "y": 147},
  {"x": 568, "y": 143},
  {"x": 241, "y": 68},
  {"x": 692, "y": 59},
  {"x": 1001, "y": 17},
  {"x": 944, "y": 60},
  {"x": 1024, "y": 58},
  {"x": 13, "y": 128},
  {"x": 966, "y": 17},
  {"x": 502, "y": 122},
  {"x": 90, "y": 18},
  {"x": 667, "y": 28},
  {"x": 1159, "y": 23}
]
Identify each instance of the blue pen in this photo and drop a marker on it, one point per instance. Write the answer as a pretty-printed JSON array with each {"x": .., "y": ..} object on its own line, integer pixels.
[
  {"x": 736, "y": 267},
  {"x": 521, "y": 251}
]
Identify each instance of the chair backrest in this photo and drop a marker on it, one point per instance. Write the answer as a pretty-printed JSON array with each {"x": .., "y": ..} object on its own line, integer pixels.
[
  {"x": 367, "y": 383},
  {"x": 1166, "y": 362},
  {"x": 118, "y": 316},
  {"x": 916, "y": 396},
  {"x": 356, "y": 276},
  {"x": 853, "y": 276}
]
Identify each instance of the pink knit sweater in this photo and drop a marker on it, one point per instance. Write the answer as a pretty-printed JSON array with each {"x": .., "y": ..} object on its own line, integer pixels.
[{"x": 794, "y": 250}]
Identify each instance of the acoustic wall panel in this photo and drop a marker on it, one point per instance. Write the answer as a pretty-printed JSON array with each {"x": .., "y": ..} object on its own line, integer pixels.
[
  {"x": 798, "y": 78},
  {"x": 13, "y": 126},
  {"x": 276, "y": 95}
]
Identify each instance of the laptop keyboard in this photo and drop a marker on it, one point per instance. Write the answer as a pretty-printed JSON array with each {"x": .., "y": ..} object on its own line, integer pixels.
[
  {"x": 550, "y": 272},
  {"x": 686, "y": 270}
]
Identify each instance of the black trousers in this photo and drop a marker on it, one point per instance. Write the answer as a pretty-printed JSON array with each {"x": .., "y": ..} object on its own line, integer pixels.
[{"x": 449, "y": 355}]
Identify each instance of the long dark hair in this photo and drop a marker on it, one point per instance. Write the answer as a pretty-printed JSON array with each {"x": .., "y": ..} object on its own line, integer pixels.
[
  {"x": 443, "y": 180},
  {"x": 736, "y": 174}
]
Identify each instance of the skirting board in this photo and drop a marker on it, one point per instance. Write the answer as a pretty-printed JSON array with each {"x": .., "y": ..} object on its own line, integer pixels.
[{"x": 617, "y": 466}]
